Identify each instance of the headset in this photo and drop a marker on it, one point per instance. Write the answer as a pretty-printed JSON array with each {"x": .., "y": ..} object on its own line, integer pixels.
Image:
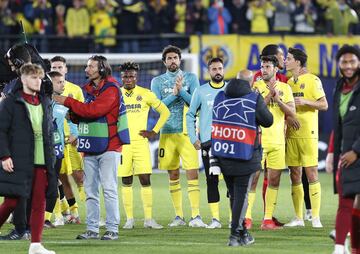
[
  {"x": 102, "y": 68},
  {"x": 17, "y": 62}
]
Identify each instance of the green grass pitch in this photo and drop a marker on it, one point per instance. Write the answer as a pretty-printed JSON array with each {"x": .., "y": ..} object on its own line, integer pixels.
[{"x": 190, "y": 240}]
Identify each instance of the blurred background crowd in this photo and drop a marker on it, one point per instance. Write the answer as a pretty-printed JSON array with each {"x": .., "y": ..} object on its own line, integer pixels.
[{"x": 52, "y": 24}]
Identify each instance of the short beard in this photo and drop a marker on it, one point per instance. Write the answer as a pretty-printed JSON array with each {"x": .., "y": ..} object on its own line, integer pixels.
[
  {"x": 173, "y": 70},
  {"x": 217, "y": 80},
  {"x": 353, "y": 77}
]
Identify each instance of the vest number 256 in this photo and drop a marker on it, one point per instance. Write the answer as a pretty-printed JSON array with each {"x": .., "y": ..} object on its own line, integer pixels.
[{"x": 224, "y": 147}]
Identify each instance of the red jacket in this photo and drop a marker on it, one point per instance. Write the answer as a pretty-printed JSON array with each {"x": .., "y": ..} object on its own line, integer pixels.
[
  {"x": 105, "y": 104},
  {"x": 279, "y": 76}
]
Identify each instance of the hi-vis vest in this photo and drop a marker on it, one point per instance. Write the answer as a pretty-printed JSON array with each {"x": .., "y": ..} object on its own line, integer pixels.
[
  {"x": 58, "y": 146},
  {"x": 233, "y": 130},
  {"x": 94, "y": 135}
]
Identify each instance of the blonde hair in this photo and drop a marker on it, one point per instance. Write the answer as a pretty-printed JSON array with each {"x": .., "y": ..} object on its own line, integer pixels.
[{"x": 30, "y": 69}]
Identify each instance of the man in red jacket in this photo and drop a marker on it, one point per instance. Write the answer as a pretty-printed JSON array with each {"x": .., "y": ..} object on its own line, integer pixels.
[{"x": 100, "y": 142}]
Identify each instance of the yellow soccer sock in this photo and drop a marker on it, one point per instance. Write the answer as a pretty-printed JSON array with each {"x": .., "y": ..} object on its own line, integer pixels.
[
  {"x": 315, "y": 198},
  {"x": 127, "y": 195},
  {"x": 297, "y": 193},
  {"x": 194, "y": 197},
  {"x": 147, "y": 200},
  {"x": 214, "y": 208},
  {"x": 74, "y": 210},
  {"x": 230, "y": 214},
  {"x": 176, "y": 196},
  {"x": 47, "y": 216},
  {"x": 64, "y": 206},
  {"x": 251, "y": 201},
  {"x": 82, "y": 194},
  {"x": 57, "y": 209},
  {"x": 270, "y": 202}
]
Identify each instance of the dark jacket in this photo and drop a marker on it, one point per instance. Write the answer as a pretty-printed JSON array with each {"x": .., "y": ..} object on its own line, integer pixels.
[
  {"x": 17, "y": 142},
  {"x": 238, "y": 88},
  {"x": 347, "y": 138}
]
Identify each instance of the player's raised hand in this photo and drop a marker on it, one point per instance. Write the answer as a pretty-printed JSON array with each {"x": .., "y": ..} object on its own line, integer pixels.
[
  {"x": 147, "y": 134},
  {"x": 179, "y": 81},
  {"x": 293, "y": 122},
  {"x": 8, "y": 165},
  {"x": 175, "y": 90}
]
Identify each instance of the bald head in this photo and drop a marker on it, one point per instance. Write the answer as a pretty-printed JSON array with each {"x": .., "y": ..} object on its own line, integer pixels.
[{"x": 246, "y": 75}]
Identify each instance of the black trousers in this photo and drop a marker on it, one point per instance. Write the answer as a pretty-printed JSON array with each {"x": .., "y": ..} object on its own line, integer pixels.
[
  {"x": 212, "y": 181},
  {"x": 238, "y": 188}
]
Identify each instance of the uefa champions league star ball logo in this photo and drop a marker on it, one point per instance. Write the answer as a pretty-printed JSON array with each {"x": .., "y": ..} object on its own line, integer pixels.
[{"x": 212, "y": 51}]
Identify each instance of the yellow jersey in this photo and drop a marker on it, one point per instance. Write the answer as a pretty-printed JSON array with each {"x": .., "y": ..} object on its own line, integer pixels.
[
  {"x": 309, "y": 87},
  {"x": 75, "y": 92},
  {"x": 138, "y": 102},
  {"x": 275, "y": 134}
]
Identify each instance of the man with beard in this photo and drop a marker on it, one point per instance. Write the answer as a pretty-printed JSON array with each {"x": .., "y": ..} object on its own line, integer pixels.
[
  {"x": 346, "y": 153},
  {"x": 175, "y": 88},
  {"x": 202, "y": 104},
  {"x": 302, "y": 136},
  {"x": 279, "y": 100}
]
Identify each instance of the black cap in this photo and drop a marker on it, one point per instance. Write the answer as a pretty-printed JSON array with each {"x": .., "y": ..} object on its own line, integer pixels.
[
  {"x": 270, "y": 50},
  {"x": 347, "y": 49}
]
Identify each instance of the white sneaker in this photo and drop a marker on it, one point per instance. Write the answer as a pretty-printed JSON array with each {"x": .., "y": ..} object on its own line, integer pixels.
[
  {"x": 308, "y": 215},
  {"x": 178, "y": 221},
  {"x": 296, "y": 222},
  {"x": 316, "y": 223},
  {"x": 37, "y": 248},
  {"x": 214, "y": 224},
  {"x": 197, "y": 222},
  {"x": 130, "y": 224},
  {"x": 339, "y": 249},
  {"x": 59, "y": 222},
  {"x": 151, "y": 223}
]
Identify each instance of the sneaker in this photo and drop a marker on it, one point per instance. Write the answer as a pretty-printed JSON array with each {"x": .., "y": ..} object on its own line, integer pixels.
[
  {"x": 48, "y": 224},
  {"x": 246, "y": 238},
  {"x": 248, "y": 223},
  {"x": 178, "y": 221},
  {"x": 109, "y": 235},
  {"x": 197, "y": 222},
  {"x": 269, "y": 225},
  {"x": 277, "y": 222},
  {"x": 214, "y": 224},
  {"x": 308, "y": 215},
  {"x": 130, "y": 224},
  {"x": 316, "y": 223},
  {"x": 15, "y": 235},
  {"x": 38, "y": 248},
  {"x": 71, "y": 219},
  {"x": 59, "y": 221},
  {"x": 296, "y": 222},
  {"x": 27, "y": 235},
  {"x": 88, "y": 235},
  {"x": 151, "y": 223},
  {"x": 234, "y": 241},
  {"x": 332, "y": 234}
]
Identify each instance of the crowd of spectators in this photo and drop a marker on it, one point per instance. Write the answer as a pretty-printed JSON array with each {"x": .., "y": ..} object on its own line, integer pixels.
[{"x": 104, "y": 19}]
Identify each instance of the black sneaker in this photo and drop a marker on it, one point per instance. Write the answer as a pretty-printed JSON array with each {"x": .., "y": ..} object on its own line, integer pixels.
[
  {"x": 48, "y": 224},
  {"x": 15, "y": 235},
  {"x": 88, "y": 235},
  {"x": 234, "y": 241},
  {"x": 246, "y": 238},
  {"x": 109, "y": 235}
]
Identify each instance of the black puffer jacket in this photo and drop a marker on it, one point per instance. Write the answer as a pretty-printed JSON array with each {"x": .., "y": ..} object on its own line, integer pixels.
[
  {"x": 17, "y": 142},
  {"x": 238, "y": 88},
  {"x": 347, "y": 137}
]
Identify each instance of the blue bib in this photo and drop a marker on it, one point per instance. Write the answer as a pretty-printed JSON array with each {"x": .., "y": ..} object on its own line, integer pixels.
[{"x": 234, "y": 128}]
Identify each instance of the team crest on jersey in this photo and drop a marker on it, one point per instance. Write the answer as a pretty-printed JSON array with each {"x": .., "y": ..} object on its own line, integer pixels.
[
  {"x": 281, "y": 93},
  {"x": 139, "y": 98},
  {"x": 302, "y": 86},
  {"x": 258, "y": 78}
]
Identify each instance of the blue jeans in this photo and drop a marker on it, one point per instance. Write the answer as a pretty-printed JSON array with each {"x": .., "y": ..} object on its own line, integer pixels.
[{"x": 102, "y": 169}]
